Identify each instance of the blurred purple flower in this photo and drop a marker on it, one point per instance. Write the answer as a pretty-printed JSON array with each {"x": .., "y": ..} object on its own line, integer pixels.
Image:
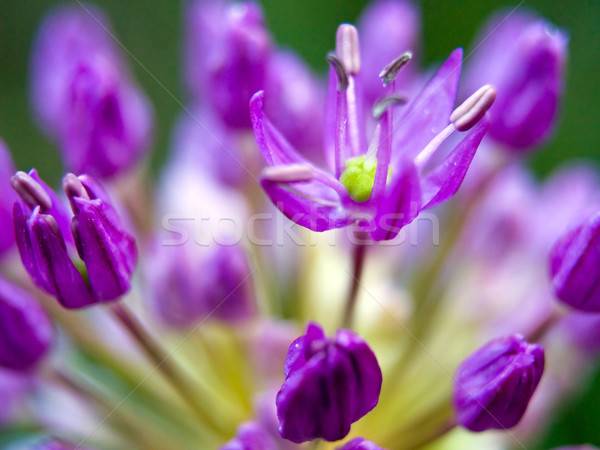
[
  {"x": 42, "y": 231},
  {"x": 25, "y": 329},
  {"x": 493, "y": 386},
  {"x": 190, "y": 282},
  {"x": 84, "y": 96},
  {"x": 227, "y": 50},
  {"x": 251, "y": 436},
  {"x": 523, "y": 56},
  {"x": 329, "y": 384},
  {"x": 381, "y": 189},
  {"x": 575, "y": 266}
]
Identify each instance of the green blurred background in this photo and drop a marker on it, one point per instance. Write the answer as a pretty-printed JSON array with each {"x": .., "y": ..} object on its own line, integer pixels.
[{"x": 151, "y": 30}]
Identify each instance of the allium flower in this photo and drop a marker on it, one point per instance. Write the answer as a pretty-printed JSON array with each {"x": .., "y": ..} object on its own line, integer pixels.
[
  {"x": 381, "y": 189},
  {"x": 523, "y": 57},
  {"x": 329, "y": 384},
  {"x": 251, "y": 436},
  {"x": 83, "y": 95},
  {"x": 493, "y": 386},
  {"x": 25, "y": 329},
  {"x": 575, "y": 266},
  {"x": 42, "y": 231}
]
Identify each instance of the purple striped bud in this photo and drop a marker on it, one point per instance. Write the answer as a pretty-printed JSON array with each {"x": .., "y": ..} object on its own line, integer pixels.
[
  {"x": 523, "y": 57},
  {"x": 83, "y": 94},
  {"x": 25, "y": 329},
  {"x": 575, "y": 266},
  {"x": 227, "y": 52},
  {"x": 359, "y": 443},
  {"x": 493, "y": 386},
  {"x": 329, "y": 384},
  {"x": 44, "y": 239}
]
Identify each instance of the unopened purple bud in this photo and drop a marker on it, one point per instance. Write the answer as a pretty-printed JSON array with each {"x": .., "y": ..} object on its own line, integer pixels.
[
  {"x": 575, "y": 266},
  {"x": 252, "y": 436},
  {"x": 25, "y": 329},
  {"x": 359, "y": 443},
  {"x": 189, "y": 282},
  {"x": 45, "y": 241},
  {"x": 493, "y": 386},
  {"x": 83, "y": 94},
  {"x": 523, "y": 57},
  {"x": 329, "y": 384},
  {"x": 228, "y": 49},
  {"x": 473, "y": 109},
  {"x": 109, "y": 252}
]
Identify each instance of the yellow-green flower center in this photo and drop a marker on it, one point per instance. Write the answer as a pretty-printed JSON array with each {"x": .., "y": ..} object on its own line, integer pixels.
[{"x": 359, "y": 176}]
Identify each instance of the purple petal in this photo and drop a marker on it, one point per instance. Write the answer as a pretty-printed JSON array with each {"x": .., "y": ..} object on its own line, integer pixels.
[
  {"x": 109, "y": 252},
  {"x": 359, "y": 443},
  {"x": 428, "y": 113},
  {"x": 400, "y": 206},
  {"x": 443, "y": 182}
]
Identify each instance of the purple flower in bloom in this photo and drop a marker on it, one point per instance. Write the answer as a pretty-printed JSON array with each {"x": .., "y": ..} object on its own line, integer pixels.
[
  {"x": 523, "y": 57},
  {"x": 43, "y": 233},
  {"x": 575, "y": 266},
  {"x": 227, "y": 52},
  {"x": 25, "y": 329},
  {"x": 84, "y": 96},
  {"x": 329, "y": 384},
  {"x": 359, "y": 443},
  {"x": 381, "y": 189},
  {"x": 493, "y": 386}
]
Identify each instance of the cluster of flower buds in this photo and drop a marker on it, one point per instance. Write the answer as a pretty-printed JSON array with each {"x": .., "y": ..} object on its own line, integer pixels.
[
  {"x": 84, "y": 96},
  {"x": 45, "y": 237}
]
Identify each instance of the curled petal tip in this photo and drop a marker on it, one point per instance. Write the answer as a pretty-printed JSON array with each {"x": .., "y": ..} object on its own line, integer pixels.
[
  {"x": 473, "y": 109},
  {"x": 342, "y": 76},
  {"x": 30, "y": 191},
  {"x": 347, "y": 48},
  {"x": 288, "y": 174}
]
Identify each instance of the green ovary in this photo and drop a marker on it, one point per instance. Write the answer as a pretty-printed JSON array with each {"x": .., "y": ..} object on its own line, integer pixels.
[{"x": 359, "y": 176}]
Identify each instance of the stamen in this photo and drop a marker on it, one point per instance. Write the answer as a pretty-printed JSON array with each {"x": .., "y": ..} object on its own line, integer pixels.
[
  {"x": 347, "y": 48},
  {"x": 390, "y": 71},
  {"x": 73, "y": 188},
  {"x": 288, "y": 173},
  {"x": 385, "y": 103},
  {"x": 472, "y": 110},
  {"x": 342, "y": 76},
  {"x": 30, "y": 191}
]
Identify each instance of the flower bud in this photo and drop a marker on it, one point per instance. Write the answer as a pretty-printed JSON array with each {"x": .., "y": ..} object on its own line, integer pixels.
[
  {"x": 575, "y": 266},
  {"x": 329, "y": 384},
  {"x": 493, "y": 386},
  {"x": 359, "y": 443},
  {"x": 45, "y": 242},
  {"x": 25, "y": 329},
  {"x": 189, "y": 282},
  {"x": 83, "y": 95},
  {"x": 523, "y": 57},
  {"x": 227, "y": 51}
]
